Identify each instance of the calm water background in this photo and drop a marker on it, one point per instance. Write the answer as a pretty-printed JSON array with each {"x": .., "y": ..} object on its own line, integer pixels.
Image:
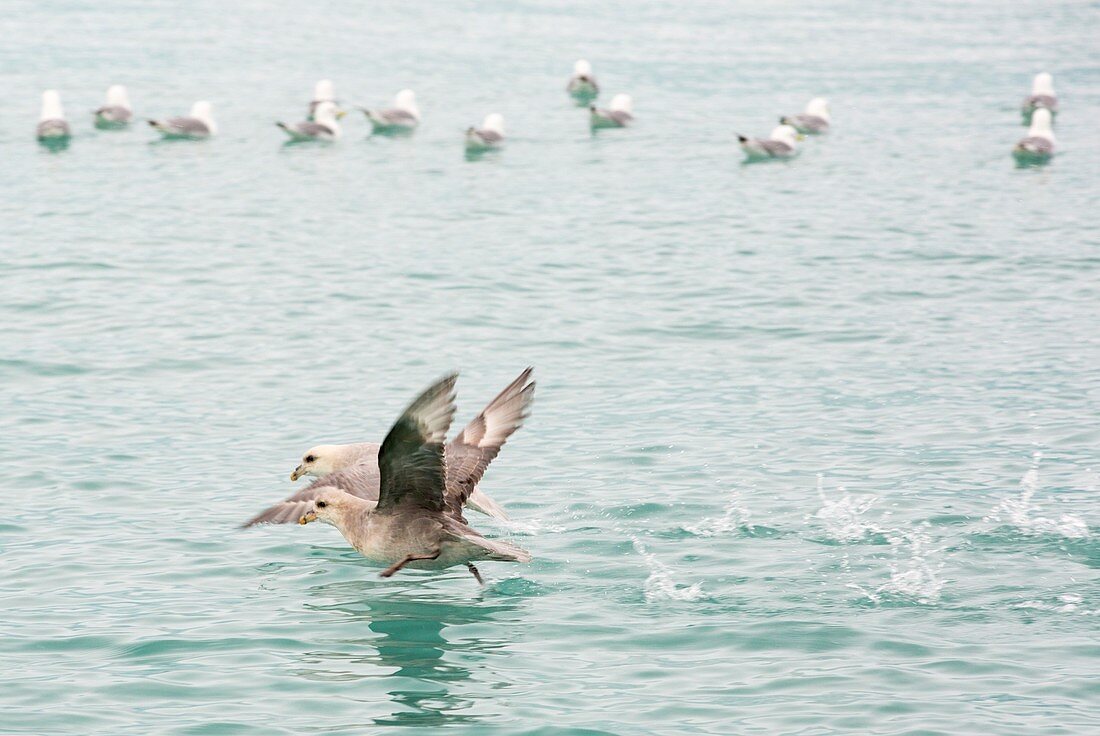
[{"x": 815, "y": 447}]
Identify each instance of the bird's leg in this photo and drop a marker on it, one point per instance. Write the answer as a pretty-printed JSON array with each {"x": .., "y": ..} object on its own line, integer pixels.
[
  {"x": 476, "y": 574},
  {"x": 389, "y": 571}
]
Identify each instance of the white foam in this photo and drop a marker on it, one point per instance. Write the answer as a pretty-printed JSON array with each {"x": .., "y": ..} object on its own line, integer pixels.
[
  {"x": 1067, "y": 603},
  {"x": 843, "y": 515},
  {"x": 914, "y": 570},
  {"x": 734, "y": 518},
  {"x": 661, "y": 585},
  {"x": 1023, "y": 514}
]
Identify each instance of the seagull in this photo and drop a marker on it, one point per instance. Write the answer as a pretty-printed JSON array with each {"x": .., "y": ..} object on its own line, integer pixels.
[
  {"x": 779, "y": 145},
  {"x": 417, "y": 521},
  {"x": 198, "y": 125},
  {"x": 51, "y": 123},
  {"x": 814, "y": 121},
  {"x": 619, "y": 114},
  {"x": 490, "y": 135},
  {"x": 354, "y": 469},
  {"x": 323, "y": 127},
  {"x": 403, "y": 117},
  {"x": 1042, "y": 96},
  {"x": 323, "y": 91},
  {"x": 1038, "y": 146},
  {"x": 582, "y": 85},
  {"x": 116, "y": 111}
]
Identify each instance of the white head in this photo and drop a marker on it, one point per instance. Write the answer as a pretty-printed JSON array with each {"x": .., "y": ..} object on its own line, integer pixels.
[
  {"x": 330, "y": 505},
  {"x": 1043, "y": 85},
  {"x": 494, "y": 122},
  {"x": 326, "y": 113},
  {"x": 204, "y": 111},
  {"x": 818, "y": 106},
  {"x": 324, "y": 90},
  {"x": 785, "y": 134},
  {"x": 1040, "y": 124},
  {"x": 582, "y": 68},
  {"x": 406, "y": 100},
  {"x": 116, "y": 96},
  {"x": 323, "y": 459},
  {"x": 622, "y": 103},
  {"x": 51, "y": 106}
]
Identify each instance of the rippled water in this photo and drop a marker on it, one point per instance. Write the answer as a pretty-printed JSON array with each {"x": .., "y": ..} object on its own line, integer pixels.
[{"x": 815, "y": 444}]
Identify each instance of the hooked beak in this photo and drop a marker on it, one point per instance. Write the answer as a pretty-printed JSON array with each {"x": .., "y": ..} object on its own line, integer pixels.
[
  {"x": 298, "y": 473},
  {"x": 307, "y": 517}
]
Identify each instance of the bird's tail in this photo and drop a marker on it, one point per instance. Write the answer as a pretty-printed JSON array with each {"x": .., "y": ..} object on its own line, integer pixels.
[{"x": 500, "y": 550}]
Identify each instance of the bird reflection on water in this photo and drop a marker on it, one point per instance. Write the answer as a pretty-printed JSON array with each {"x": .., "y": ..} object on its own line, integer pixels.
[{"x": 410, "y": 646}]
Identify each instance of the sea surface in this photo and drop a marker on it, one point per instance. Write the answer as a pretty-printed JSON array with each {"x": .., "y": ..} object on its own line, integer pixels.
[{"x": 815, "y": 448}]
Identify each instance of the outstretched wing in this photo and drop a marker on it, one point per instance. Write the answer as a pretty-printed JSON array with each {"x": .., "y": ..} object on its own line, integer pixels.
[
  {"x": 359, "y": 480},
  {"x": 469, "y": 454},
  {"x": 411, "y": 463}
]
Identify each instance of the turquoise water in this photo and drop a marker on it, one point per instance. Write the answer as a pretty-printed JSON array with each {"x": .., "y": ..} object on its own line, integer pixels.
[{"x": 815, "y": 446}]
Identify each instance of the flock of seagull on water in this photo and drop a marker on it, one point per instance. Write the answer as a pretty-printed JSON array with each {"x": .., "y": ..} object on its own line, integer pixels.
[
  {"x": 401, "y": 504},
  {"x": 322, "y": 122}
]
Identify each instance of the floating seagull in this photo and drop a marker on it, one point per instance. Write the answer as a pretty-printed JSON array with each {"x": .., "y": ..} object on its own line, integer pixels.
[
  {"x": 199, "y": 124},
  {"x": 814, "y": 121},
  {"x": 51, "y": 123},
  {"x": 323, "y": 127},
  {"x": 353, "y": 468},
  {"x": 1042, "y": 96},
  {"x": 619, "y": 114},
  {"x": 116, "y": 112},
  {"x": 490, "y": 135},
  {"x": 582, "y": 85},
  {"x": 780, "y": 144},
  {"x": 417, "y": 521},
  {"x": 323, "y": 91},
  {"x": 403, "y": 117},
  {"x": 1038, "y": 146}
]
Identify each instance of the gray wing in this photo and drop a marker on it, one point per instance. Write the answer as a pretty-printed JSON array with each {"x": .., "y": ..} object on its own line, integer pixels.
[
  {"x": 469, "y": 454},
  {"x": 775, "y": 148},
  {"x": 397, "y": 117},
  {"x": 182, "y": 126},
  {"x": 580, "y": 81},
  {"x": 807, "y": 123},
  {"x": 620, "y": 117},
  {"x": 54, "y": 128},
  {"x": 411, "y": 463},
  {"x": 1035, "y": 144},
  {"x": 489, "y": 136},
  {"x": 359, "y": 480},
  {"x": 114, "y": 114},
  {"x": 311, "y": 129},
  {"x": 1046, "y": 101}
]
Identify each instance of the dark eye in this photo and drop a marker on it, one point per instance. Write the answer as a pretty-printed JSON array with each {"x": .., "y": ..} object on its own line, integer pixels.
[
  {"x": 322, "y": 504},
  {"x": 310, "y": 458}
]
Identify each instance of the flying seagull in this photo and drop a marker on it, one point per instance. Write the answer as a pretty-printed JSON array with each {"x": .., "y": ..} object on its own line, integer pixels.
[
  {"x": 354, "y": 469},
  {"x": 417, "y": 521}
]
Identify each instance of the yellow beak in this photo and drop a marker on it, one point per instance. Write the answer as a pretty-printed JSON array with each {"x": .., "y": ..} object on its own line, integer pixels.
[
  {"x": 307, "y": 517},
  {"x": 341, "y": 113},
  {"x": 298, "y": 473}
]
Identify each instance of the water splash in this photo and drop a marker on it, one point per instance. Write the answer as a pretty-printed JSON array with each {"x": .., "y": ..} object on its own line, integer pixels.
[
  {"x": 530, "y": 527},
  {"x": 843, "y": 515},
  {"x": 1023, "y": 514},
  {"x": 661, "y": 585},
  {"x": 1067, "y": 603},
  {"x": 914, "y": 569},
  {"x": 736, "y": 517}
]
